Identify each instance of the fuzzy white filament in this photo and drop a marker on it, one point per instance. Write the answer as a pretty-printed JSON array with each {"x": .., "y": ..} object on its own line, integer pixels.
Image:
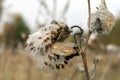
[{"x": 106, "y": 19}]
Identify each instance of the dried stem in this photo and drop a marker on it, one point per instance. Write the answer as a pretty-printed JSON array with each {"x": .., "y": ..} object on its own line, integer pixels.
[
  {"x": 89, "y": 12},
  {"x": 82, "y": 52},
  {"x": 65, "y": 10},
  {"x": 45, "y": 6},
  {"x": 95, "y": 68},
  {"x": 86, "y": 45},
  {"x": 54, "y": 9},
  {"x": 74, "y": 74},
  {"x": 85, "y": 65},
  {"x": 107, "y": 67}
]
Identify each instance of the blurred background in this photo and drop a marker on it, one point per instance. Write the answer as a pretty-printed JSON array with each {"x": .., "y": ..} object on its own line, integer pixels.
[{"x": 19, "y": 18}]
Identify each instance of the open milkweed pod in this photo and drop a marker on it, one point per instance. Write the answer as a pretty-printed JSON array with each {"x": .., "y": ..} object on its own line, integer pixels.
[
  {"x": 44, "y": 48},
  {"x": 102, "y": 20},
  {"x": 64, "y": 48}
]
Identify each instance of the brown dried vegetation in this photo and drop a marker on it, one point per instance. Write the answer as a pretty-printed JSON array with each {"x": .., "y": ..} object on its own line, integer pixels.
[{"x": 19, "y": 66}]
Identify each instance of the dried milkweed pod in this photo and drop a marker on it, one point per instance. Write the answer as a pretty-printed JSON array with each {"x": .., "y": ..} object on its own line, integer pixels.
[
  {"x": 47, "y": 47},
  {"x": 64, "y": 48},
  {"x": 102, "y": 20}
]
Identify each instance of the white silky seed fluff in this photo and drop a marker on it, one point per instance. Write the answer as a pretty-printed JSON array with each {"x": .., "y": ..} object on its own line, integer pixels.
[
  {"x": 105, "y": 16},
  {"x": 39, "y": 45}
]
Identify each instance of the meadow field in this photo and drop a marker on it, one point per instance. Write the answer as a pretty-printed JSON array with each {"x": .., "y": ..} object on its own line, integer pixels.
[{"x": 19, "y": 66}]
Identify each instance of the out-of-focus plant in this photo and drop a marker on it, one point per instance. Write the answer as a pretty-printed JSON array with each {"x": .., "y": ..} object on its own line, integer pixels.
[
  {"x": 46, "y": 13},
  {"x": 1, "y": 1},
  {"x": 1, "y": 37},
  {"x": 114, "y": 35},
  {"x": 15, "y": 31}
]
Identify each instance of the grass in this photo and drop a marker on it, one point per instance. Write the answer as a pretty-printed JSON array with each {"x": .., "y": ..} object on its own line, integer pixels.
[{"x": 19, "y": 66}]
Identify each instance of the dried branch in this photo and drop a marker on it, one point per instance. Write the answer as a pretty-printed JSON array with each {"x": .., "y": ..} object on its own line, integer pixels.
[
  {"x": 54, "y": 9},
  {"x": 89, "y": 13},
  {"x": 65, "y": 9},
  {"x": 77, "y": 38},
  {"x": 85, "y": 65},
  {"x": 45, "y": 6},
  {"x": 82, "y": 52},
  {"x": 74, "y": 74},
  {"x": 107, "y": 67},
  {"x": 42, "y": 3},
  {"x": 96, "y": 60},
  {"x": 86, "y": 45}
]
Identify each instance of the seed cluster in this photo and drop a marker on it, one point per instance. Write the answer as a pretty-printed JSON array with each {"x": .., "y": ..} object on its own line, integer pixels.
[{"x": 40, "y": 45}]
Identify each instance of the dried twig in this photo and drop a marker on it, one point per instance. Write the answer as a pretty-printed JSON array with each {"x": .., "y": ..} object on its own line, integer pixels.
[
  {"x": 54, "y": 9},
  {"x": 65, "y": 10},
  {"x": 45, "y": 6},
  {"x": 77, "y": 38},
  {"x": 85, "y": 65},
  {"x": 96, "y": 60},
  {"x": 83, "y": 53},
  {"x": 89, "y": 13},
  {"x": 86, "y": 46},
  {"x": 107, "y": 67},
  {"x": 74, "y": 74}
]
